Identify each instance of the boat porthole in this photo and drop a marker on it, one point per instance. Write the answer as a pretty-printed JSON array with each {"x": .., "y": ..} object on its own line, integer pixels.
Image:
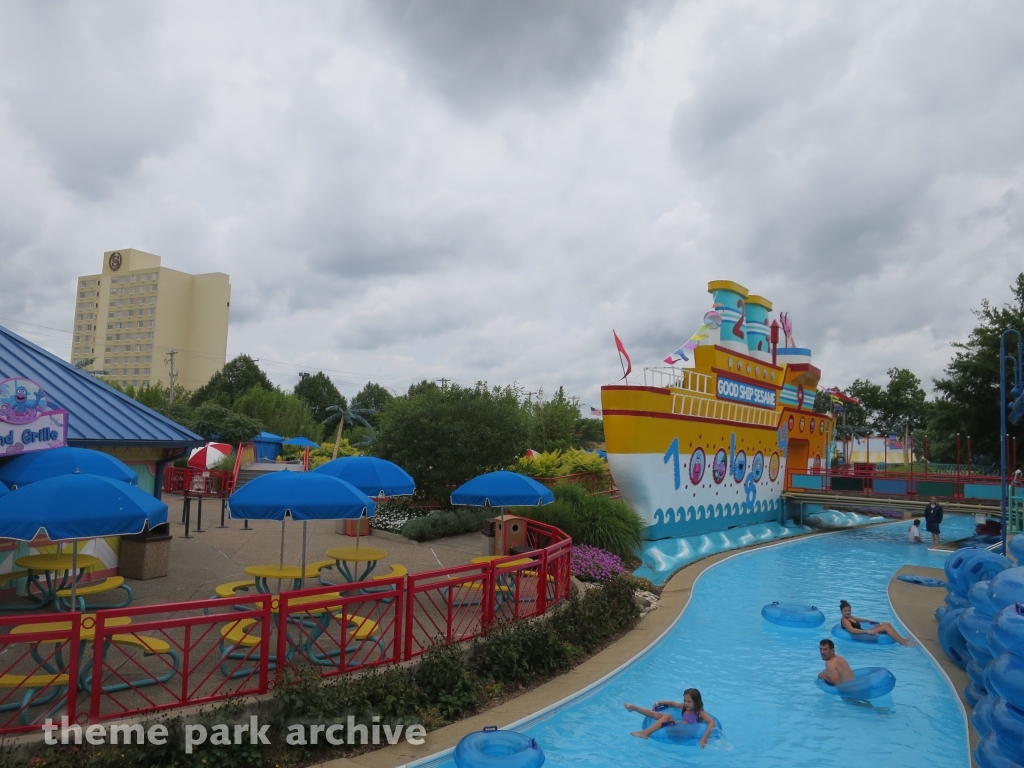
[{"x": 730, "y": 362}]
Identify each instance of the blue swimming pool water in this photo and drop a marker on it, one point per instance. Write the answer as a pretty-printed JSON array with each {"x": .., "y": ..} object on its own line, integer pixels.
[{"x": 758, "y": 678}]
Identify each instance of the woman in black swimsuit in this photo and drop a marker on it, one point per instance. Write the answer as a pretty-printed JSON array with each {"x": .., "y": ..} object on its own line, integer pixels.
[{"x": 851, "y": 624}]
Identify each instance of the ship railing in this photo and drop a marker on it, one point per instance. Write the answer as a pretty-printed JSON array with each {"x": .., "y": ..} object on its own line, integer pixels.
[
  {"x": 679, "y": 378},
  {"x": 720, "y": 410}
]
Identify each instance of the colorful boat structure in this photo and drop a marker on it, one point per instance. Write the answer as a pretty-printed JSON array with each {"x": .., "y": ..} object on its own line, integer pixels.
[{"x": 711, "y": 446}]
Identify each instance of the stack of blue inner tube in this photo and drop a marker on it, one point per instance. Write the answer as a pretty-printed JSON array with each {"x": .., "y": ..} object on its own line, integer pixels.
[{"x": 982, "y": 631}]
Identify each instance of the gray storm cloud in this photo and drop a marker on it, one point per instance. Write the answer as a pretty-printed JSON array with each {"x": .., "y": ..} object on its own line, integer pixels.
[{"x": 411, "y": 189}]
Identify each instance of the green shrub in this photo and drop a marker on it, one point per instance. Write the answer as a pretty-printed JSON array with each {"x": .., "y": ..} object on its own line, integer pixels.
[
  {"x": 443, "y": 523},
  {"x": 515, "y": 652},
  {"x": 589, "y": 620},
  {"x": 446, "y": 680},
  {"x": 596, "y": 521}
]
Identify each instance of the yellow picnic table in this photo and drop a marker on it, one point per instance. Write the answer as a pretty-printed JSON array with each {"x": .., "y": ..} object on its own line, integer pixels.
[
  {"x": 262, "y": 573},
  {"x": 51, "y": 567},
  {"x": 56, "y": 664},
  {"x": 369, "y": 556}
]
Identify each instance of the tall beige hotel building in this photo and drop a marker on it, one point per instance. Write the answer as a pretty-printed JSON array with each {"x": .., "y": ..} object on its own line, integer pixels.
[{"x": 135, "y": 316}]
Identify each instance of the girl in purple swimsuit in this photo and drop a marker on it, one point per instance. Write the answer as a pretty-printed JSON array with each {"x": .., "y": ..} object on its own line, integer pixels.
[{"x": 692, "y": 707}]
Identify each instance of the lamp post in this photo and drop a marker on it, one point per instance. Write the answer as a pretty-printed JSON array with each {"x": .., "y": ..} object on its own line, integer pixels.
[{"x": 1015, "y": 414}]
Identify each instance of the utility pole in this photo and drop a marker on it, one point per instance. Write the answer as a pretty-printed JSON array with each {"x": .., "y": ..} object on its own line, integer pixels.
[
  {"x": 444, "y": 383},
  {"x": 170, "y": 361}
]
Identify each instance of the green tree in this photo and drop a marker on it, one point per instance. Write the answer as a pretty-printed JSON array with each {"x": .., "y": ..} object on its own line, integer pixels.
[
  {"x": 588, "y": 433},
  {"x": 237, "y": 377},
  {"x": 215, "y": 422},
  {"x": 280, "y": 413},
  {"x": 372, "y": 399},
  {"x": 443, "y": 437},
  {"x": 319, "y": 392},
  {"x": 968, "y": 401},
  {"x": 554, "y": 422}
]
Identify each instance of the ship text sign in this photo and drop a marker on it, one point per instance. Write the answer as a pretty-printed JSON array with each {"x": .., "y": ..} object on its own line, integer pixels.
[{"x": 746, "y": 393}]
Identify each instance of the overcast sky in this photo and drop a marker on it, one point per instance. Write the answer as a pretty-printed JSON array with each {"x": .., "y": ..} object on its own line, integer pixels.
[{"x": 403, "y": 190}]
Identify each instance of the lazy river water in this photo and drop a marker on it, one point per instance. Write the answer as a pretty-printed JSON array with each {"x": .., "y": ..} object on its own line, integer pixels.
[{"x": 758, "y": 678}]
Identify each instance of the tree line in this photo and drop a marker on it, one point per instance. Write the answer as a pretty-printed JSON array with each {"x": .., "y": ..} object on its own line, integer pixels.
[
  {"x": 966, "y": 401},
  {"x": 441, "y": 434}
]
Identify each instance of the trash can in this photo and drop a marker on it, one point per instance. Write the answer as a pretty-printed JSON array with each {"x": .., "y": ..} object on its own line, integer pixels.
[
  {"x": 488, "y": 531},
  {"x": 350, "y": 527},
  {"x": 145, "y": 555}
]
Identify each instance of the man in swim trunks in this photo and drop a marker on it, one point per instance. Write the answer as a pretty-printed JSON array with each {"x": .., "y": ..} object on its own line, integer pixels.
[
  {"x": 932, "y": 518},
  {"x": 836, "y": 669}
]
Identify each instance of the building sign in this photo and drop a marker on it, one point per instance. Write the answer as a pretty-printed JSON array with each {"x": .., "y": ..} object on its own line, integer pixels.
[
  {"x": 746, "y": 393},
  {"x": 27, "y": 423}
]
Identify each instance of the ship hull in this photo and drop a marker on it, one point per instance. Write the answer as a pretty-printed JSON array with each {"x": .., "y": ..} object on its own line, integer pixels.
[{"x": 687, "y": 476}]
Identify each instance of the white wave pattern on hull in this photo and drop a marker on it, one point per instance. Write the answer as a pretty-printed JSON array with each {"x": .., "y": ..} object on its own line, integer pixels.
[{"x": 647, "y": 483}]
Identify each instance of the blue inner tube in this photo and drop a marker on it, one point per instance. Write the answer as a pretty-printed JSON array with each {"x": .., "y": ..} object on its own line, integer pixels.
[
  {"x": 838, "y": 631},
  {"x": 793, "y": 615},
  {"x": 1008, "y": 724},
  {"x": 1004, "y": 676},
  {"x": 978, "y": 597},
  {"x": 969, "y": 566},
  {"x": 988, "y": 754},
  {"x": 974, "y": 693},
  {"x": 869, "y": 683},
  {"x": 682, "y": 734},
  {"x": 1006, "y": 588},
  {"x": 1008, "y": 630},
  {"x": 924, "y": 581},
  {"x": 953, "y": 600},
  {"x": 491, "y": 748},
  {"x": 982, "y": 715},
  {"x": 974, "y": 627},
  {"x": 951, "y": 640},
  {"x": 1016, "y": 547}
]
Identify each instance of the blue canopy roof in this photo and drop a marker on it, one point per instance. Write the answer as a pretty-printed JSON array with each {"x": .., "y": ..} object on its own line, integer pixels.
[
  {"x": 502, "y": 489},
  {"x": 302, "y": 495},
  {"x": 97, "y": 414},
  {"x": 302, "y": 442},
  {"x": 267, "y": 437},
  {"x": 78, "y": 507},
  {"x": 372, "y": 476},
  {"x": 28, "y": 468}
]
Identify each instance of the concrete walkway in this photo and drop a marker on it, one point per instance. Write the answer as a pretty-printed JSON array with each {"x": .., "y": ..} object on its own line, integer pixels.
[
  {"x": 915, "y": 606},
  {"x": 218, "y": 555}
]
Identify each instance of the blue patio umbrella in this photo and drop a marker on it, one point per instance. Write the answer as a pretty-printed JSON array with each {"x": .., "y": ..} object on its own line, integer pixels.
[
  {"x": 372, "y": 476},
  {"x": 78, "y": 507},
  {"x": 502, "y": 489},
  {"x": 32, "y": 467},
  {"x": 302, "y": 496}
]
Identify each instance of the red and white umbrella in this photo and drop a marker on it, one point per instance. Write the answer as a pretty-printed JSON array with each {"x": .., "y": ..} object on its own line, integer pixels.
[{"x": 209, "y": 456}]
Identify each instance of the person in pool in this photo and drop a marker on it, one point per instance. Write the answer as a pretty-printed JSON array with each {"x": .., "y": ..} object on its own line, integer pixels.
[
  {"x": 852, "y": 624},
  {"x": 693, "y": 713},
  {"x": 836, "y": 670}
]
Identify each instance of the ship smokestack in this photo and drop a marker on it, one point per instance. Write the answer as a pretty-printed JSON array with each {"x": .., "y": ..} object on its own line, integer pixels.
[
  {"x": 730, "y": 300},
  {"x": 756, "y": 327}
]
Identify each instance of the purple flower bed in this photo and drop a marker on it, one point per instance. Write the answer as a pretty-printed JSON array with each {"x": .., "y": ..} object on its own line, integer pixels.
[{"x": 593, "y": 564}]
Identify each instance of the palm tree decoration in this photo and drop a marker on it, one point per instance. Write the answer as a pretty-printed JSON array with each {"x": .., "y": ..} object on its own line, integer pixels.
[{"x": 343, "y": 413}]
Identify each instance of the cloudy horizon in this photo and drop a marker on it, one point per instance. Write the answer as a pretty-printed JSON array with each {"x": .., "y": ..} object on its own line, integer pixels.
[{"x": 404, "y": 190}]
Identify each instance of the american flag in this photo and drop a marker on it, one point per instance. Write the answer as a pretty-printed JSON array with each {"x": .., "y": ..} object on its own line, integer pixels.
[{"x": 595, "y": 411}]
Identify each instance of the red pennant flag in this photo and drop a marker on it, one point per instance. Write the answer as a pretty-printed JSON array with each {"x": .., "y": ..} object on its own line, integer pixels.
[{"x": 628, "y": 367}]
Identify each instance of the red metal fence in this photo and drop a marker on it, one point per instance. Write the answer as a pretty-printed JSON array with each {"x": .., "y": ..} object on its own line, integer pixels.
[{"x": 126, "y": 662}]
